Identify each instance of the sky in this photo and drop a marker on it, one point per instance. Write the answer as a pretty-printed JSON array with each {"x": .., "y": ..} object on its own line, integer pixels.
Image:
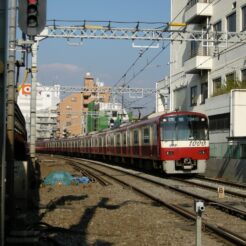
[{"x": 106, "y": 60}]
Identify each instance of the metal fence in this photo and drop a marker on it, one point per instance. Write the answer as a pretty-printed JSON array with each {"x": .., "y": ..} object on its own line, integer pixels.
[{"x": 226, "y": 150}]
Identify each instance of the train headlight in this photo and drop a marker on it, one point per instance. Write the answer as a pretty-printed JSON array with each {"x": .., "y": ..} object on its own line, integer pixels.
[
  {"x": 170, "y": 152},
  {"x": 202, "y": 152}
]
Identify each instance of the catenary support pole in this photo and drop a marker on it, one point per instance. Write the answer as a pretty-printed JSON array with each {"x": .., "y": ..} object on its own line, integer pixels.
[
  {"x": 33, "y": 102},
  {"x": 3, "y": 53}
]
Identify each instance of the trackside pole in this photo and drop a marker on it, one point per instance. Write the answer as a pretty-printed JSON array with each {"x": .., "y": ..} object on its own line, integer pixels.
[{"x": 199, "y": 209}]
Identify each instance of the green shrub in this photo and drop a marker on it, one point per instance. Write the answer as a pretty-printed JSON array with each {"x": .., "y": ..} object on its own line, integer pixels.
[{"x": 230, "y": 85}]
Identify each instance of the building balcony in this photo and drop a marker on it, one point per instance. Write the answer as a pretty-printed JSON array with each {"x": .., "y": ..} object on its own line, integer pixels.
[
  {"x": 200, "y": 59},
  {"x": 198, "y": 63},
  {"x": 198, "y": 10}
]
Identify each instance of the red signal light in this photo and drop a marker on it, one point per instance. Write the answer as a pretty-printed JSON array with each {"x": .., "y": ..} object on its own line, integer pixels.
[
  {"x": 32, "y": 16},
  {"x": 32, "y": 12},
  {"x": 32, "y": 1}
]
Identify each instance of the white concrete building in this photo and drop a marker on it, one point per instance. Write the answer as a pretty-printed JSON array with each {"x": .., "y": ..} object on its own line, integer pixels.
[
  {"x": 200, "y": 72},
  {"x": 47, "y": 99}
]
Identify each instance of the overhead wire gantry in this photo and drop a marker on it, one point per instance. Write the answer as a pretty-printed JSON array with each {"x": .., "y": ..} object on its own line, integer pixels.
[{"x": 172, "y": 31}]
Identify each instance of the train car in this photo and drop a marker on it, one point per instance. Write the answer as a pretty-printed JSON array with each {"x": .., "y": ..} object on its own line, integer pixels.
[{"x": 176, "y": 142}]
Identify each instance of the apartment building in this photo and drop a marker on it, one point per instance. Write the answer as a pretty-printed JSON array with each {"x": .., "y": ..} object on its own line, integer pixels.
[
  {"x": 47, "y": 98},
  {"x": 210, "y": 77},
  {"x": 73, "y": 110}
]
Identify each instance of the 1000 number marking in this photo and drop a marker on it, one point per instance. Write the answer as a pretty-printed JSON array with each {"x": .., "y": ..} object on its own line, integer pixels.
[{"x": 197, "y": 143}]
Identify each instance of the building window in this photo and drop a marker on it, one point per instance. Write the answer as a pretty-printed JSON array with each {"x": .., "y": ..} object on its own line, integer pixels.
[
  {"x": 218, "y": 26},
  {"x": 243, "y": 75},
  {"x": 204, "y": 92},
  {"x": 193, "y": 95},
  {"x": 244, "y": 18},
  {"x": 231, "y": 23},
  {"x": 216, "y": 85},
  {"x": 219, "y": 122},
  {"x": 194, "y": 48}
]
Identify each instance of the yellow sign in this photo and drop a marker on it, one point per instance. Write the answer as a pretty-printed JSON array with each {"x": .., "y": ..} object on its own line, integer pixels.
[{"x": 221, "y": 192}]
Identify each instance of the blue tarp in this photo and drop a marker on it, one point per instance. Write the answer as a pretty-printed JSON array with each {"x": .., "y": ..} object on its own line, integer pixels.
[
  {"x": 81, "y": 180},
  {"x": 65, "y": 178},
  {"x": 62, "y": 177}
]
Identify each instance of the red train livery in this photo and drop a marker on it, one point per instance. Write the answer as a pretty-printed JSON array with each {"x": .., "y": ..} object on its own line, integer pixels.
[{"x": 175, "y": 142}]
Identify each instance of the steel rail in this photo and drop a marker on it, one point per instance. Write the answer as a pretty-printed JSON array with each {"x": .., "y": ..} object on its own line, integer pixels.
[
  {"x": 220, "y": 181},
  {"x": 231, "y": 210},
  {"x": 224, "y": 233},
  {"x": 234, "y": 193},
  {"x": 93, "y": 177}
]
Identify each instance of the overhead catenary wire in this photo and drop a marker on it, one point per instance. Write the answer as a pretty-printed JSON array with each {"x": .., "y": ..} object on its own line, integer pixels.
[{"x": 135, "y": 75}]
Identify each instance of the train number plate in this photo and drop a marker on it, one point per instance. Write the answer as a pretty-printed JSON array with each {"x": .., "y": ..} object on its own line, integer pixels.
[{"x": 197, "y": 143}]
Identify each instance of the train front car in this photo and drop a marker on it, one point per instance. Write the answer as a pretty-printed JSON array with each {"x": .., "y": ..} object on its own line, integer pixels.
[{"x": 184, "y": 142}]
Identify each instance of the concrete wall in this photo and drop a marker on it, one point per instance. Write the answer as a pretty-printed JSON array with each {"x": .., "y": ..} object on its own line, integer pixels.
[{"x": 228, "y": 169}]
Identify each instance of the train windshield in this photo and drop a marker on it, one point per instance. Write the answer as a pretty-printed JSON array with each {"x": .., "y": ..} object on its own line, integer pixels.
[{"x": 184, "y": 127}]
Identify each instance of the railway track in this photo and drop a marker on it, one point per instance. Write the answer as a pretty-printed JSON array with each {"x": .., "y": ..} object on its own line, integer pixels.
[
  {"x": 228, "y": 187},
  {"x": 218, "y": 218},
  {"x": 91, "y": 175},
  {"x": 221, "y": 182}
]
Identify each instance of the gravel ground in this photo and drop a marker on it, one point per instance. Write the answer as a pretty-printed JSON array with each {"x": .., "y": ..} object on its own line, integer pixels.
[{"x": 107, "y": 215}]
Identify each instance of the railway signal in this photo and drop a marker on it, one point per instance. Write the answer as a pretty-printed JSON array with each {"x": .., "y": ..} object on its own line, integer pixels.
[{"x": 32, "y": 16}]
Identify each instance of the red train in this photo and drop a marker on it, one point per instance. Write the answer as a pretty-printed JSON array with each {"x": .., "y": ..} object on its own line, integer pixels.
[{"x": 175, "y": 142}]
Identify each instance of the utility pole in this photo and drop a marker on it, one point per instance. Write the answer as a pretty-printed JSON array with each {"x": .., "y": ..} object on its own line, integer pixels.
[
  {"x": 33, "y": 102},
  {"x": 3, "y": 48},
  {"x": 10, "y": 202}
]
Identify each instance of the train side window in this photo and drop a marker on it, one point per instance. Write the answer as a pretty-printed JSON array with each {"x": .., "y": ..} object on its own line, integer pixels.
[
  {"x": 112, "y": 140},
  {"x": 118, "y": 139},
  {"x": 135, "y": 136},
  {"x": 146, "y": 135},
  {"x": 124, "y": 138},
  {"x": 128, "y": 137},
  {"x": 108, "y": 140}
]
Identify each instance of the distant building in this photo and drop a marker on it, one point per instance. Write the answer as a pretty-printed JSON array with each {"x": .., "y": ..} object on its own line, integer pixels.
[
  {"x": 102, "y": 115},
  {"x": 73, "y": 110},
  {"x": 203, "y": 75},
  {"x": 47, "y": 99},
  {"x": 70, "y": 115}
]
